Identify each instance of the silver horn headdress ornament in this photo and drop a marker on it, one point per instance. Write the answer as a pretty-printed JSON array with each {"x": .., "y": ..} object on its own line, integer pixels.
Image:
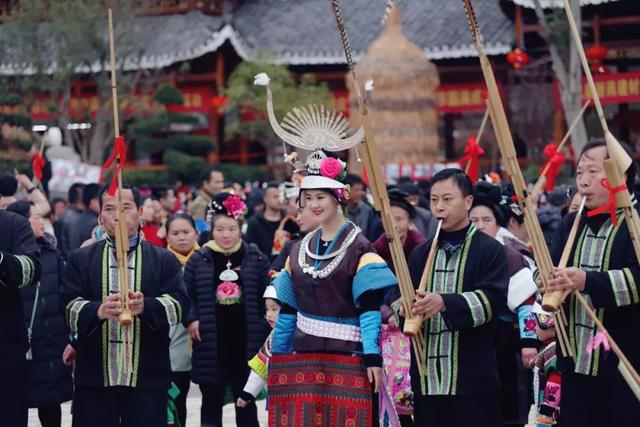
[{"x": 312, "y": 128}]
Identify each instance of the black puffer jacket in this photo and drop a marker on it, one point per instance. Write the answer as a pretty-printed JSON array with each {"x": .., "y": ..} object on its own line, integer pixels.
[
  {"x": 49, "y": 380},
  {"x": 200, "y": 278}
]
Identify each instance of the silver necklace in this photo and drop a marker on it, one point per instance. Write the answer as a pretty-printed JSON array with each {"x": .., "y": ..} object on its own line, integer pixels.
[
  {"x": 348, "y": 241},
  {"x": 337, "y": 255}
]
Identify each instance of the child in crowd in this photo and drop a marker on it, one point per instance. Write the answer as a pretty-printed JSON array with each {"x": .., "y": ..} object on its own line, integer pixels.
[
  {"x": 547, "y": 380},
  {"x": 258, "y": 364}
]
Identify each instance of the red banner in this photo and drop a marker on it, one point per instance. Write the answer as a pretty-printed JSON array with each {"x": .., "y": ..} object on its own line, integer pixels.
[
  {"x": 460, "y": 98},
  {"x": 197, "y": 99},
  {"x": 620, "y": 88}
]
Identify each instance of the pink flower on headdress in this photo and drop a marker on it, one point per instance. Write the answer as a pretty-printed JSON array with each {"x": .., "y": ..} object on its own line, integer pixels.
[
  {"x": 235, "y": 206},
  {"x": 331, "y": 168}
]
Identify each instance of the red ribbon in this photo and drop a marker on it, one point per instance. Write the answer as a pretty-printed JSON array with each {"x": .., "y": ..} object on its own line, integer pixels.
[
  {"x": 554, "y": 161},
  {"x": 472, "y": 153},
  {"x": 120, "y": 153},
  {"x": 610, "y": 206},
  {"x": 37, "y": 164}
]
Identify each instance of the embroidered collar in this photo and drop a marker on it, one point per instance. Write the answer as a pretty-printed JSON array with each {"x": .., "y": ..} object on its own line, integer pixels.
[{"x": 133, "y": 241}]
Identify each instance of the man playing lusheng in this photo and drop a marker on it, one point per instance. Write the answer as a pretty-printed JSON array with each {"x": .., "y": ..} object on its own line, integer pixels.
[
  {"x": 466, "y": 291},
  {"x": 603, "y": 267},
  {"x": 122, "y": 373}
]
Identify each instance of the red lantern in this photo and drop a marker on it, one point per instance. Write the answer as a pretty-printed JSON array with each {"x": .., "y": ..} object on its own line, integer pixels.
[
  {"x": 596, "y": 53},
  {"x": 517, "y": 58}
]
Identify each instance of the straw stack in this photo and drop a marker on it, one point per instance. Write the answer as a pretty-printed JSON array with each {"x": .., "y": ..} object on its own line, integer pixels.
[{"x": 403, "y": 104}]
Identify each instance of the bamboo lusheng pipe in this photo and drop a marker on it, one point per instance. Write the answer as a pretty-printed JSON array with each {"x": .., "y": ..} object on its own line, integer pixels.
[
  {"x": 413, "y": 325},
  {"x": 509, "y": 157},
  {"x": 552, "y": 301},
  {"x": 122, "y": 232},
  {"x": 478, "y": 136},
  {"x": 623, "y": 200},
  {"x": 543, "y": 175},
  {"x": 379, "y": 190}
]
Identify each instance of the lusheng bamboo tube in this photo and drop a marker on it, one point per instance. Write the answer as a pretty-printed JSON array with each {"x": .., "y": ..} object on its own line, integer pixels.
[
  {"x": 122, "y": 233},
  {"x": 413, "y": 325}
]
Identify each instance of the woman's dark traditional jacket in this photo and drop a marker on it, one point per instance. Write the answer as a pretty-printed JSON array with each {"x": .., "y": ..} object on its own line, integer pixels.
[
  {"x": 341, "y": 298},
  {"x": 201, "y": 278},
  {"x": 48, "y": 378},
  {"x": 91, "y": 275}
]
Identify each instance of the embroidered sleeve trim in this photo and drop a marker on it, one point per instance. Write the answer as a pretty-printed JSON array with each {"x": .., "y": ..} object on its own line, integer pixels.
[
  {"x": 478, "y": 306},
  {"x": 619, "y": 287},
  {"x": 28, "y": 270},
  {"x": 171, "y": 309},
  {"x": 73, "y": 313}
]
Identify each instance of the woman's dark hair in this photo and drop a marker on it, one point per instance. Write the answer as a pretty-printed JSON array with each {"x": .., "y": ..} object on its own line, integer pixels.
[
  {"x": 490, "y": 196},
  {"x": 461, "y": 179},
  {"x": 8, "y": 184},
  {"x": 21, "y": 207},
  {"x": 181, "y": 215},
  {"x": 631, "y": 172}
]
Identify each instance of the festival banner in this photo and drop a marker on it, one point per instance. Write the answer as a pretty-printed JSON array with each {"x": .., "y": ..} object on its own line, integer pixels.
[{"x": 619, "y": 88}]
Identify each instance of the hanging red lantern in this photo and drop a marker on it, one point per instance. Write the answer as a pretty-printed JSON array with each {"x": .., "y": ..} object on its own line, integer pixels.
[
  {"x": 596, "y": 53},
  {"x": 517, "y": 58}
]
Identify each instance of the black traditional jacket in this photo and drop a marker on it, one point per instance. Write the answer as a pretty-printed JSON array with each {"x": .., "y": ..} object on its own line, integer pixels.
[
  {"x": 606, "y": 253},
  {"x": 103, "y": 357},
  {"x": 19, "y": 268},
  {"x": 472, "y": 279}
]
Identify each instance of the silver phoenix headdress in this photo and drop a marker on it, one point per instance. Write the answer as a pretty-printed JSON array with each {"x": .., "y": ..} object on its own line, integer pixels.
[{"x": 317, "y": 129}]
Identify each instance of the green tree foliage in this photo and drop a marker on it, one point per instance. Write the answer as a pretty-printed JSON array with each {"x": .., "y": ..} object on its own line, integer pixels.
[
  {"x": 287, "y": 93},
  {"x": 183, "y": 153},
  {"x": 50, "y": 43}
]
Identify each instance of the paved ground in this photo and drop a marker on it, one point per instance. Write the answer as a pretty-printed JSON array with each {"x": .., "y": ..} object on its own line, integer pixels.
[{"x": 193, "y": 412}]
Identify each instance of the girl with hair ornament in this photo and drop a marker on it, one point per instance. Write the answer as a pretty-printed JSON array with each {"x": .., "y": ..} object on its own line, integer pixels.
[{"x": 326, "y": 355}]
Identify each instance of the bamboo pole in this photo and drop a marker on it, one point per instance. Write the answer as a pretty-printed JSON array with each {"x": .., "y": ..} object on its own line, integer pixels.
[
  {"x": 542, "y": 181},
  {"x": 122, "y": 233},
  {"x": 378, "y": 188},
  {"x": 552, "y": 301},
  {"x": 508, "y": 152},
  {"x": 623, "y": 200},
  {"x": 413, "y": 325},
  {"x": 615, "y": 150}
]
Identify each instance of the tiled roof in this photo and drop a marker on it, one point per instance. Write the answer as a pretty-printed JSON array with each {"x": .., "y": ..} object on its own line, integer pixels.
[
  {"x": 550, "y": 4},
  {"x": 295, "y": 32},
  {"x": 304, "y": 31}
]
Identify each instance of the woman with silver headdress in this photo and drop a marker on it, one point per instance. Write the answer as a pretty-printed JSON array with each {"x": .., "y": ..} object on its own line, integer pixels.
[{"x": 325, "y": 345}]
